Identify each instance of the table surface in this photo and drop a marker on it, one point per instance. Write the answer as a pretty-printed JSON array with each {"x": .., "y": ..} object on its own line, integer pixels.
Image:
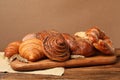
[{"x": 104, "y": 72}]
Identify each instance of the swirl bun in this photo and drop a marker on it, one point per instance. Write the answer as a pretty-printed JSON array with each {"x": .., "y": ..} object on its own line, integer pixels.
[{"x": 55, "y": 47}]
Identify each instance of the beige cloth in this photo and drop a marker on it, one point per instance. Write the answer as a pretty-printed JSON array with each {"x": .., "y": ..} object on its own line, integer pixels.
[{"x": 5, "y": 67}]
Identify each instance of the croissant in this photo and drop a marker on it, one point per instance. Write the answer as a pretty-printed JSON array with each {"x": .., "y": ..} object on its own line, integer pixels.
[
  {"x": 12, "y": 48},
  {"x": 56, "y": 48},
  {"x": 31, "y": 49}
]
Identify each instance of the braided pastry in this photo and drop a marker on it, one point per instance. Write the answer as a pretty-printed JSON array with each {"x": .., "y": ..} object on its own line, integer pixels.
[{"x": 98, "y": 39}]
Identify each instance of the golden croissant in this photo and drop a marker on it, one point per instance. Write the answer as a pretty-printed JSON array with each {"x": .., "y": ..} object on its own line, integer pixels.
[
  {"x": 31, "y": 49},
  {"x": 12, "y": 48}
]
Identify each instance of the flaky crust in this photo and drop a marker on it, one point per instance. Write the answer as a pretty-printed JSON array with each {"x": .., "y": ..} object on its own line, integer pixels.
[
  {"x": 56, "y": 48},
  {"x": 31, "y": 49},
  {"x": 12, "y": 48}
]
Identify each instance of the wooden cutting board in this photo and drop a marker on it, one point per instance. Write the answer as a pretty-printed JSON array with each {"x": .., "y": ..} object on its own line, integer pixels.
[{"x": 78, "y": 62}]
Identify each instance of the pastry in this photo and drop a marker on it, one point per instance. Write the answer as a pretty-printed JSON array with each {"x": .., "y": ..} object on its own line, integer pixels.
[
  {"x": 12, "y": 48},
  {"x": 31, "y": 49},
  {"x": 56, "y": 48}
]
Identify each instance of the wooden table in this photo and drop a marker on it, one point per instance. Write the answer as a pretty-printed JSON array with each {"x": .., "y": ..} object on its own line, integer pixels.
[{"x": 104, "y": 72}]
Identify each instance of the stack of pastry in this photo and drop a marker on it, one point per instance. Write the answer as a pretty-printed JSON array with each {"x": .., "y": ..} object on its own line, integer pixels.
[{"x": 49, "y": 49}]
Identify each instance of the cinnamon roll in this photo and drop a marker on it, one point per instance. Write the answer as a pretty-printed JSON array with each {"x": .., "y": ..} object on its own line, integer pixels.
[{"x": 56, "y": 48}]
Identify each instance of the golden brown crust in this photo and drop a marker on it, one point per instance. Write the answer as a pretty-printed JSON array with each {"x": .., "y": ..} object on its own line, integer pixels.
[
  {"x": 12, "y": 48},
  {"x": 31, "y": 49},
  {"x": 71, "y": 42},
  {"x": 56, "y": 48},
  {"x": 84, "y": 47},
  {"x": 103, "y": 43},
  {"x": 104, "y": 47},
  {"x": 78, "y": 45},
  {"x": 98, "y": 39}
]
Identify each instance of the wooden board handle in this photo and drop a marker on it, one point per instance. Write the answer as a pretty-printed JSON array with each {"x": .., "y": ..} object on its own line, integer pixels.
[{"x": 117, "y": 52}]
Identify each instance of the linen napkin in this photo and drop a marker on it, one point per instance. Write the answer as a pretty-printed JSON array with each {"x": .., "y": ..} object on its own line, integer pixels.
[{"x": 5, "y": 67}]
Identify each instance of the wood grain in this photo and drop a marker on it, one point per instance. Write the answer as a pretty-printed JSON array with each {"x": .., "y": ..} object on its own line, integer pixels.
[
  {"x": 46, "y": 64},
  {"x": 104, "y": 72}
]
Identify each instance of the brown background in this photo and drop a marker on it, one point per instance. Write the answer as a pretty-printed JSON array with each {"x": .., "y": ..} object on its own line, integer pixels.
[{"x": 19, "y": 17}]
